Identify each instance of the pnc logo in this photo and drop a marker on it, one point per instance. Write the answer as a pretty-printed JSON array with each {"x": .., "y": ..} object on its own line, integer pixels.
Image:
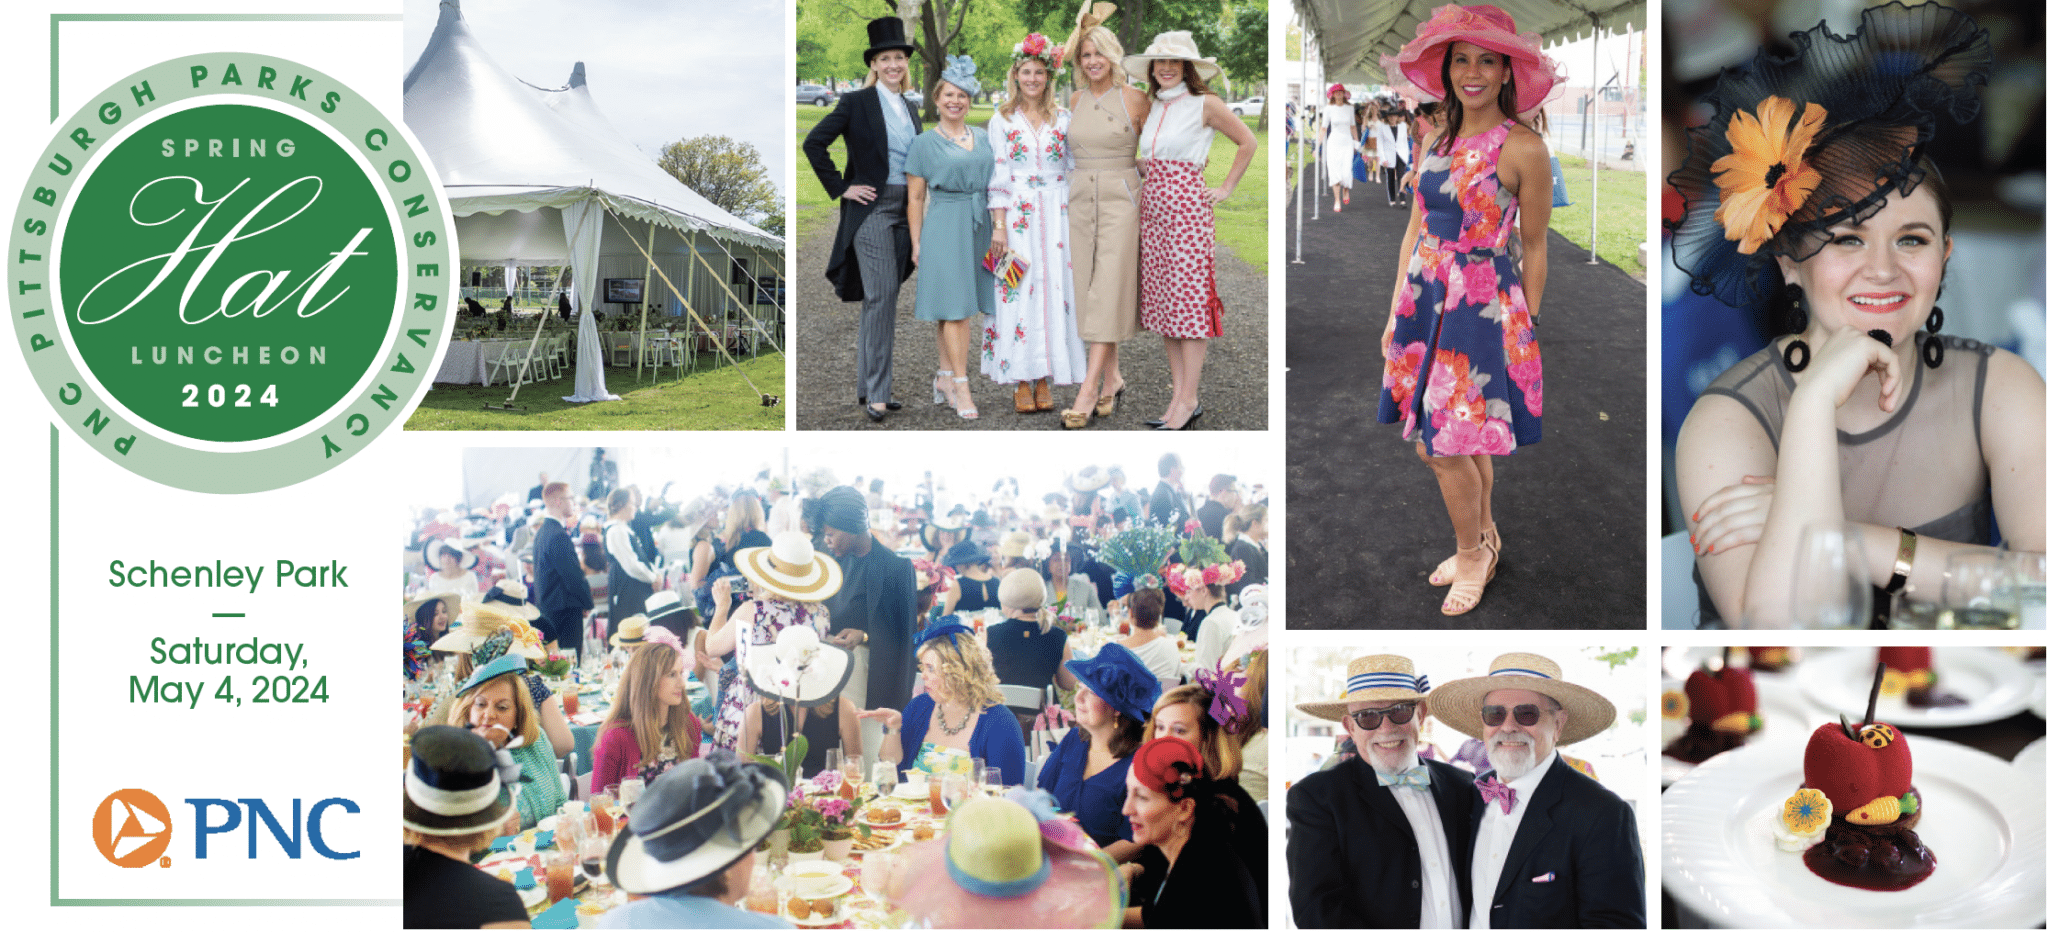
[{"x": 131, "y": 828}]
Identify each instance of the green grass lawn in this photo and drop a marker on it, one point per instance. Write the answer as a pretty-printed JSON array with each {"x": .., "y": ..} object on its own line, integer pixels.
[
  {"x": 1621, "y": 213},
  {"x": 709, "y": 399},
  {"x": 1240, "y": 221}
]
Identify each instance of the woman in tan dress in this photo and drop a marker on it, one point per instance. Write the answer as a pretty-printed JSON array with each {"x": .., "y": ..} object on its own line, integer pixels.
[{"x": 1102, "y": 212}]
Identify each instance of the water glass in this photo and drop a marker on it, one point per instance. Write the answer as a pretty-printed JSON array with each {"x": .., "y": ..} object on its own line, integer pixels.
[
  {"x": 885, "y": 777},
  {"x": 1977, "y": 592},
  {"x": 1830, "y": 579},
  {"x": 630, "y": 790},
  {"x": 956, "y": 788},
  {"x": 835, "y": 759},
  {"x": 992, "y": 780}
]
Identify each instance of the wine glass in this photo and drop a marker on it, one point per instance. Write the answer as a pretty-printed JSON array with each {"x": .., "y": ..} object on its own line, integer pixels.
[
  {"x": 835, "y": 759},
  {"x": 992, "y": 780},
  {"x": 1977, "y": 592},
  {"x": 1830, "y": 579}
]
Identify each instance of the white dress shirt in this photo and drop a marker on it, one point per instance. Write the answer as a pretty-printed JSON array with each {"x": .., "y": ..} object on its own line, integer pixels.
[
  {"x": 1496, "y": 836},
  {"x": 1439, "y": 882}
]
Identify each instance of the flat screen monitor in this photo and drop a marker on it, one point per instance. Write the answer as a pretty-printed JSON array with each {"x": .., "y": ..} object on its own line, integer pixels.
[{"x": 624, "y": 290}]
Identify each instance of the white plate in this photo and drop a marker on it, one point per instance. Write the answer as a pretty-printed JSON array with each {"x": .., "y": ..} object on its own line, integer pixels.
[
  {"x": 2039, "y": 704},
  {"x": 1994, "y": 686},
  {"x": 2032, "y": 760},
  {"x": 917, "y": 790},
  {"x": 1679, "y": 662},
  {"x": 1786, "y": 718},
  {"x": 1984, "y": 823},
  {"x": 840, "y": 886}
]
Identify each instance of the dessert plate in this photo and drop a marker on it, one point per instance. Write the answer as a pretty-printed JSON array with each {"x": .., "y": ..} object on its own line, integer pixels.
[
  {"x": 1994, "y": 686},
  {"x": 2032, "y": 759},
  {"x": 1787, "y": 717},
  {"x": 1984, "y": 823}
]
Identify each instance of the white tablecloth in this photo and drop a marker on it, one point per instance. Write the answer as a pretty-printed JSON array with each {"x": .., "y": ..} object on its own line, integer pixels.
[{"x": 468, "y": 360}]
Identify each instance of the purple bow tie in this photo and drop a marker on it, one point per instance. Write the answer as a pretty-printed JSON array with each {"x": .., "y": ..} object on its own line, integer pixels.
[{"x": 1491, "y": 790}]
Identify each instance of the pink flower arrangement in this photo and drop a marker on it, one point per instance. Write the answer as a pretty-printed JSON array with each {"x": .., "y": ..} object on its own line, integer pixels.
[
  {"x": 1039, "y": 47},
  {"x": 828, "y": 781},
  {"x": 838, "y": 812},
  {"x": 1192, "y": 527}
]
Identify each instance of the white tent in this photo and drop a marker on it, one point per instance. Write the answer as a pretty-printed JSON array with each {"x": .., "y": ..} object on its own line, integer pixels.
[{"x": 540, "y": 177}]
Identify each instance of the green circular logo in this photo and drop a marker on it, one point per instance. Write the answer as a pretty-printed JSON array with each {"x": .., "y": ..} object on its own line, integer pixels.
[{"x": 233, "y": 272}]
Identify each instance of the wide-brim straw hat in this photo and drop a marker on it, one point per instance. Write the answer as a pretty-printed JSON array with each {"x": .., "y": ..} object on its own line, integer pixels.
[
  {"x": 1372, "y": 678},
  {"x": 694, "y": 821},
  {"x": 511, "y": 594},
  {"x": 1015, "y": 544},
  {"x": 661, "y": 605},
  {"x": 451, "y": 783},
  {"x": 1176, "y": 44},
  {"x": 1422, "y": 60},
  {"x": 430, "y": 553},
  {"x": 1089, "y": 479},
  {"x": 451, "y": 599},
  {"x": 631, "y": 632},
  {"x": 791, "y": 568},
  {"x": 485, "y": 619},
  {"x": 1457, "y": 702}
]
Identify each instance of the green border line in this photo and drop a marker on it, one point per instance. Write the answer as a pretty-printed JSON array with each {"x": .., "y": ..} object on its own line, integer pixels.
[{"x": 56, "y": 20}]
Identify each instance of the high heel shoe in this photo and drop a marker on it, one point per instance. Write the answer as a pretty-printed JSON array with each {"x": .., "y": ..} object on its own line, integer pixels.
[
  {"x": 1075, "y": 420},
  {"x": 1160, "y": 422},
  {"x": 1184, "y": 425},
  {"x": 1449, "y": 568},
  {"x": 1466, "y": 593},
  {"x": 967, "y": 412},
  {"x": 1042, "y": 396},
  {"x": 1106, "y": 406},
  {"x": 939, "y": 396}
]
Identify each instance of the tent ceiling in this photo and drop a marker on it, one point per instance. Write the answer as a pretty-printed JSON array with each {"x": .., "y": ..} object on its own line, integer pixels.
[
  {"x": 1353, "y": 36},
  {"x": 503, "y": 145}
]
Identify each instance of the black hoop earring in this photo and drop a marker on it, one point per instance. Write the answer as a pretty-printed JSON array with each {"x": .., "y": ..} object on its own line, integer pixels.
[
  {"x": 1931, "y": 351},
  {"x": 1797, "y": 321},
  {"x": 1935, "y": 319}
]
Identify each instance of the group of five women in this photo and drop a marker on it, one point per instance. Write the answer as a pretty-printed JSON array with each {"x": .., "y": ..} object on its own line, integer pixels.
[{"x": 1027, "y": 230}]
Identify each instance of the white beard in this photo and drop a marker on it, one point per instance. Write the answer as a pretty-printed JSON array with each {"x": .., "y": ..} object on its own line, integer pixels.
[
  {"x": 1510, "y": 764},
  {"x": 1378, "y": 759}
]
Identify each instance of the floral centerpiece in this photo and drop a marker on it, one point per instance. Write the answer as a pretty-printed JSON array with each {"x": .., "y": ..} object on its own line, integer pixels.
[{"x": 555, "y": 667}]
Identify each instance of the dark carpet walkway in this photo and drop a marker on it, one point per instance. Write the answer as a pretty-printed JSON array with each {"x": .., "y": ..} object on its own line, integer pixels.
[{"x": 1365, "y": 522}]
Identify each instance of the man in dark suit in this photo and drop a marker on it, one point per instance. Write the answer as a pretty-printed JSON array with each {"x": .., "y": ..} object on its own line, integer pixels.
[
  {"x": 1169, "y": 507},
  {"x": 1551, "y": 847},
  {"x": 1380, "y": 840},
  {"x": 1223, "y": 499},
  {"x": 559, "y": 587},
  {"x": 871, "y": 251},
  {"x": 533, "y": 494}
]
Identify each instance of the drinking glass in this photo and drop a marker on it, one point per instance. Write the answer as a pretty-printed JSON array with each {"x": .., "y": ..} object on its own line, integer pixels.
[
  {"x": 1830, "y": 579},
  {"x": 2030, "y": 586},
  {"x": 630, "y": 790},
  {"x": 835, "y": 759},
  {"x": 975, "y": 767},
  {"x": 885, "y": 777},
  {"x": 1977, "y": 592},
  {"x": 956, "y": 788},
  {"x": 601, "y": 813},
  {"x": 561, "y": 874},
  {"x": 992, "y": 780}
]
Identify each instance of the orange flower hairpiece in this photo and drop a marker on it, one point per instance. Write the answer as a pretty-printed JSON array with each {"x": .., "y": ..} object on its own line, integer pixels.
[{"x": 1766, "y": 178}]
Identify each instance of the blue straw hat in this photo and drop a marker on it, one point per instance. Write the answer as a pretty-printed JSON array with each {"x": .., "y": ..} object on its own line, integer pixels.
[{"x": 1120, "y": 678}]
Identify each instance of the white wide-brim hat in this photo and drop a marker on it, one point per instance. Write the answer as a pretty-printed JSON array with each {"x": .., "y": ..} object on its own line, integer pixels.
[
  {"x": 791, "y": 568},
  {"x": 799, "y": 667},
  {"x": 1177, "y": 44},
  {"x": 1457, "y": 702},
  {"x": 695, "y": 820}
]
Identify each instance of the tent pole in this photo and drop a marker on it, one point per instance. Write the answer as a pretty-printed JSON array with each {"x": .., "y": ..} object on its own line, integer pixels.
[
  {"x": 766, "y": 400},
  {"x": 640, "y": 370},
  {"x": 1300, "y": 143},
  {"x": 1593, "y": 114},
  {"x": 691, "y": 285}
]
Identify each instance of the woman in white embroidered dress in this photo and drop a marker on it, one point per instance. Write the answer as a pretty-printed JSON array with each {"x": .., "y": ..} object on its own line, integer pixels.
[{"x": 1031, "y": 341}]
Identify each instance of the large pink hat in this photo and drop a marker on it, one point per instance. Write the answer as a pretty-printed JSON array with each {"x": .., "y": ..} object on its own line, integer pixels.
[{"x": 1422, "y": 59}]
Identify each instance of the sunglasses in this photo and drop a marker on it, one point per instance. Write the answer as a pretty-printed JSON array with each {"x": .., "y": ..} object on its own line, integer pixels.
[
  {"x": 1369, "y": 719},
  {"x": 1526, "y": 715}
]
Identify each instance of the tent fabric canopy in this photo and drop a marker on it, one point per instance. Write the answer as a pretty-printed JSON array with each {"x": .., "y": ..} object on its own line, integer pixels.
[
  {"x": 503, "y": 145},
  {"x": 1353, "y": 36}
]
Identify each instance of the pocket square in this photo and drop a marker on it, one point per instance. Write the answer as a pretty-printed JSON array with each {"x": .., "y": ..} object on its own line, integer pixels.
[{"x": 1546, "y": 877}]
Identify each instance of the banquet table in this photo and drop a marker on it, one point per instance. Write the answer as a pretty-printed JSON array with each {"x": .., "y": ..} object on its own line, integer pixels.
[
  {"x": 467, "y": 361},
  {"x": 857, "y": 908}
]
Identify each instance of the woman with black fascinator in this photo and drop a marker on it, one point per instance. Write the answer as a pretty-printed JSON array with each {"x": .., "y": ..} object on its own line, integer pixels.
[{"x": 1811, "y": 187}]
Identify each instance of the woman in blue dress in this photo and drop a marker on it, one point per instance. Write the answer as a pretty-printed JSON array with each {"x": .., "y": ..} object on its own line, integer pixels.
[
  {"x": 1463, "y": 376},
  {"x": 950, "y": 229},
  {"x": 1086, "y": 771}
]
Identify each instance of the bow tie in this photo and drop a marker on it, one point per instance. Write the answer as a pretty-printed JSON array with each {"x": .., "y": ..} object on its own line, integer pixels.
[
  {"x": 1417, "y": 776},
  {"x": 1491, "y": 790}
]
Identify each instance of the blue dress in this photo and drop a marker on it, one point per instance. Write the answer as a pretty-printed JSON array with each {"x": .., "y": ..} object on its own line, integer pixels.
[
  {"x": 956, "y": 231},
  {"x": 1098, "y": 801},
  {"x": 1463, "y": 374}
]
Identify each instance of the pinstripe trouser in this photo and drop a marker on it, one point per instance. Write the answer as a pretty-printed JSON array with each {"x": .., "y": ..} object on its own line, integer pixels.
[{"x": 874, "y": 245}]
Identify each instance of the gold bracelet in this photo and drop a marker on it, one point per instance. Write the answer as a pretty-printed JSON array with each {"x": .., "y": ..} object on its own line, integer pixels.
[{"x": 1902, "y": 565}]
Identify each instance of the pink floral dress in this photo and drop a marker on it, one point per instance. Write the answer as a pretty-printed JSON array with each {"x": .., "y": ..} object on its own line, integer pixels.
[
  {"x": 1032, "y": 334},
  {"x": 771, "y": 615},
  {"x": 1463, "y": 374}
]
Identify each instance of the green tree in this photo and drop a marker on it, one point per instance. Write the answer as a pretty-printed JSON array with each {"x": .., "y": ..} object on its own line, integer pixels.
[{"x": 726, "y": 171}]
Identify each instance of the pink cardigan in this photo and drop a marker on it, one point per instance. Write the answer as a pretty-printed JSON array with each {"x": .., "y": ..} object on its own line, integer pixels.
[{"x": 616, "y": 756}]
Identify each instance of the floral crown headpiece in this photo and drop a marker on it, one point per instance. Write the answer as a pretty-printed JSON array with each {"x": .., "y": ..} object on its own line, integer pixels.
[
  {"x": 1038, "y": 46},
  {"x": 1818, "y": 138}
]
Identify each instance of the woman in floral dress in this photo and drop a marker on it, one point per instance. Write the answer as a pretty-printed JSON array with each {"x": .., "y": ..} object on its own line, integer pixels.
[
  {"x": 1031, "y": 341},
  {"x": 1463, "y": 377},
  {"x": 791, "y": 582}
]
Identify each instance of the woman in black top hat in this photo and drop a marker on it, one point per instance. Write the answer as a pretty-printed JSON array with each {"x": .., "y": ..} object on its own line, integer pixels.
[{"x": 871, "y": 252}]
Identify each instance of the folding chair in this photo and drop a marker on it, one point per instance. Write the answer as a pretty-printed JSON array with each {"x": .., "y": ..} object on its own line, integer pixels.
[
  {"x": 507, "y": 364},
  {"x": 1025, "y": 701}
]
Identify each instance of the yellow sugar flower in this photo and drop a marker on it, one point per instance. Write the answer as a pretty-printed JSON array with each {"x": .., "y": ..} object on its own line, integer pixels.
[
  {"x": 1765, "y": 178},
  {"x": 1808, "y": 810}
]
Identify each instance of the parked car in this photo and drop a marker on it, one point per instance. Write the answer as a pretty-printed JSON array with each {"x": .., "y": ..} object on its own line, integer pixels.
[
  {"x": 815, "y": 94},
  {"x": 1249, "y": 107},
  {"x": 914, "y": 97}
]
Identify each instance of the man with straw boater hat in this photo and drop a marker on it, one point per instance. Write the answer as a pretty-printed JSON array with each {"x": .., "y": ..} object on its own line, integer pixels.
[
  {"x": 1381, "y": 840},
  {"x": 1551, "y": 847}
]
